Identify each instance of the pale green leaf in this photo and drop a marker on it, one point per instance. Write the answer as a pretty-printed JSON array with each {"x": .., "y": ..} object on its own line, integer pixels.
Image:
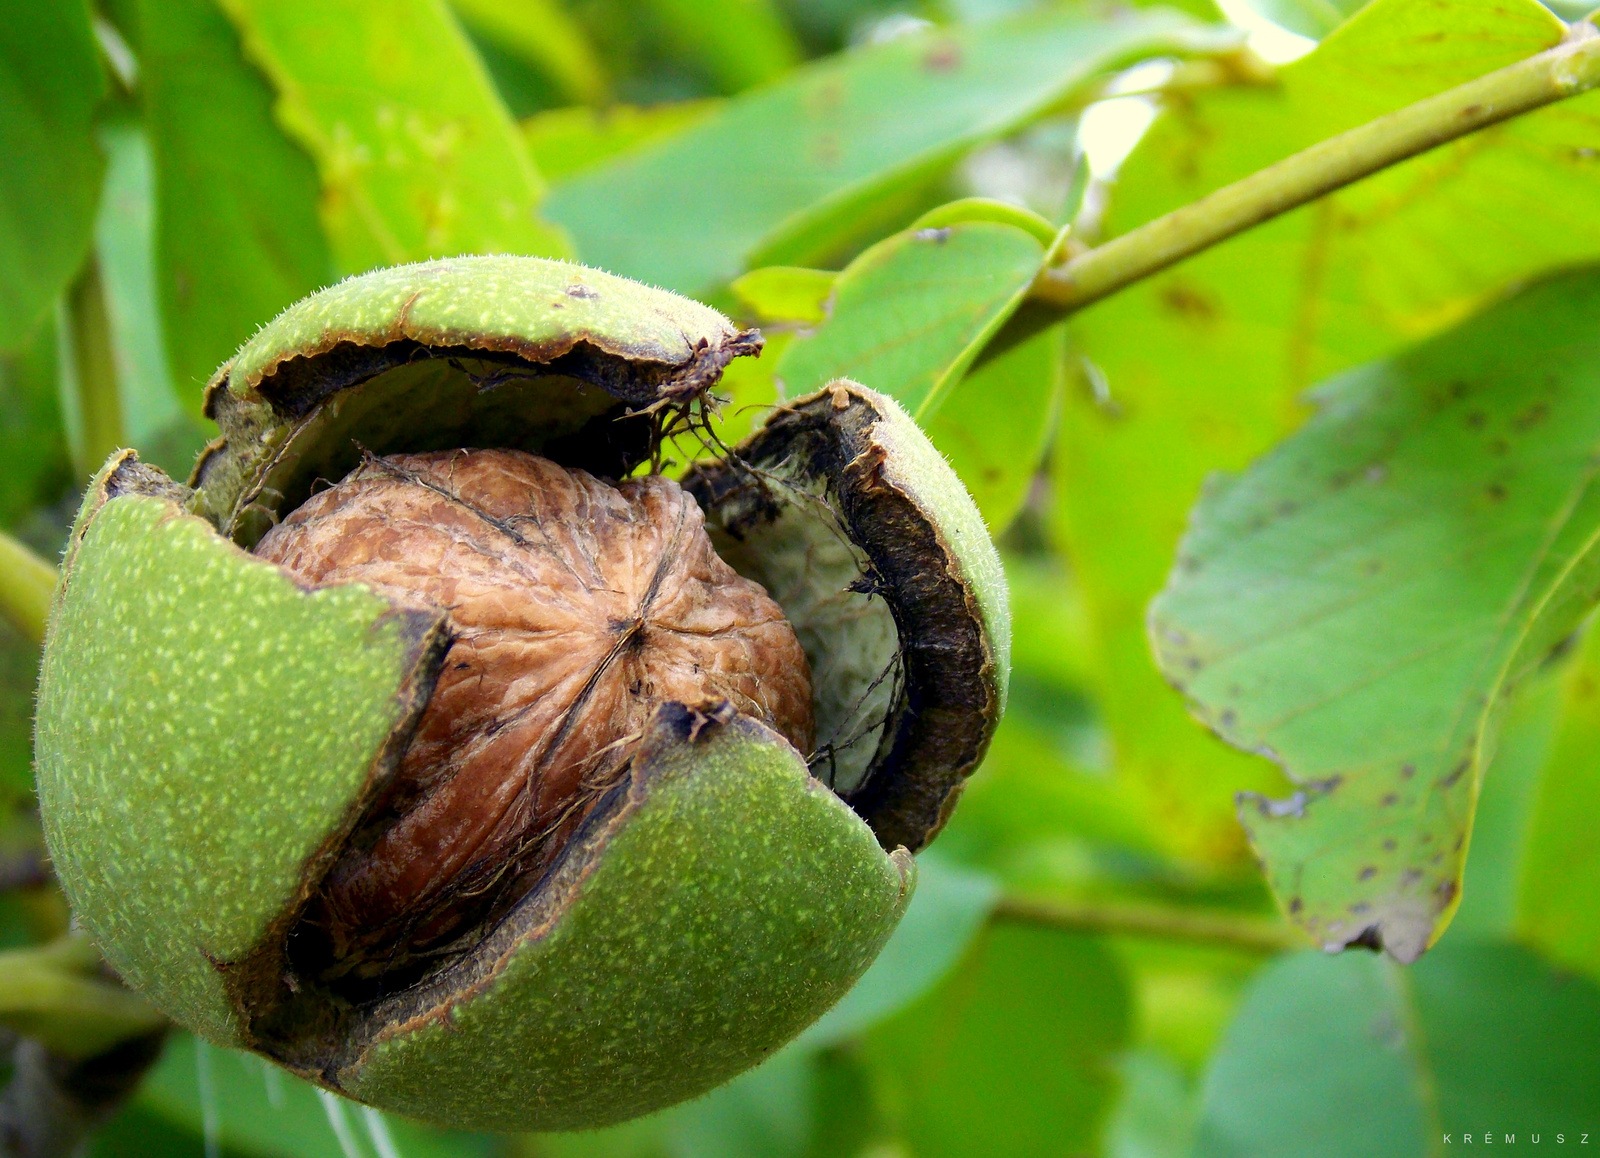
[
  {"x": 1203, "y": 365},
  {"x": 568, "y": 141},
  {"x": 50, "y": 83},
  {"x": 255, "y": 1108},
  {"x": 946, "y": 913},
  {"x": 1359, "y": 604},
  {"x": 997, "y": 421},
  {"x": 237, "y": 232},
  {"x": 542, "y": 33},
  {"x": 909, "y": 316},
  {"x": 782, "y": 173},
  {"x": 1354, "y": 1057},
  {"x": 418, "y": 157}
]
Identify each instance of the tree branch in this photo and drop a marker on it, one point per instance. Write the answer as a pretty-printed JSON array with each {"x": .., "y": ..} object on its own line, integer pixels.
[
  {"x": 1570, "y": 68},
  {"x": 1227, "y": 930}
]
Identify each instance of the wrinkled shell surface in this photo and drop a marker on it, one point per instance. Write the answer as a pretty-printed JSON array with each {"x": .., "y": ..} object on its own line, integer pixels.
[{"x": 575, "y": 607}]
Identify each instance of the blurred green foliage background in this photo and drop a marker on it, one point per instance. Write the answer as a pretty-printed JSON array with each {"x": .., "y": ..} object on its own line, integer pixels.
[{"x": 1093, "y": 964}]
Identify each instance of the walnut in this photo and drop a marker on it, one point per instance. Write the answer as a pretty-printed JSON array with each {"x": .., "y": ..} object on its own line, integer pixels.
[{"x": 576, "y": 606}]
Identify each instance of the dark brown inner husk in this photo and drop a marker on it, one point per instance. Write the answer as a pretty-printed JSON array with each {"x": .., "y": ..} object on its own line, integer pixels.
[{"x": 575, "y": 607}]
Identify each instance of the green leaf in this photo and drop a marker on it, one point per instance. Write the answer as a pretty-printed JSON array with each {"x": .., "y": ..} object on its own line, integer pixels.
[
  {"x": 1500, "y": 832},
  {"x": 909, "y": 316},
  {"x": 568, "y": 141},
  {"x": 252, "y": 1107},
  {"x": 237, "y": 232},
  {"x": 1155, "y": 1118},
  {"x": 34, "y": 463},
  {"x": 786, "y": 293},
  {"x": 50, "y": 83},
  {"x": 1560, "y": 875},
  {"x": 1354, "y": 1057},
  {"x": 151, "y": 419},
  {"x": 781, "y": 174},
  {"x": 19, "y": 675},
  {"x": 541, "y": 32},
  {"x": 1013, "y": 1054},
  {"x": 1203, "y": 364},
  {"x": 1360, "y": 602},
  {"x": 737, "y": 43},
  {"x": 997, "y": 421},
  {"x": 417, "y": 155},
  {"x": 947, "y": 911}
]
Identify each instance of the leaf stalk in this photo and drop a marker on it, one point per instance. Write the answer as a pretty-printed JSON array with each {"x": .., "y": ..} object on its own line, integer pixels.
[
  {"x": 27, "y": 583},
  {"x": 1162, "y": 923}
]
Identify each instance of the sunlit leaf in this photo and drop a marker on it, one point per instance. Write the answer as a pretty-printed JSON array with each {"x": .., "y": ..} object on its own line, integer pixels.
[
  {"x": 1014, "y": 1053},
  {"x": 541, "y": 32},
  {"x": 1203, "y": 365},
  {"x": 1313, "y": 18},
  {"x": 568, "y": 141},
  {"x": 418, "y": 156},
  {"x": 50, "y": 83},
  {"x": 781, "y": 173},
  {"x": 1360, "y": 602},
  {"x": 237, "y": 231},
  {"x": 738, "y": 43},
  {"x": 1353, "y": 1057}
]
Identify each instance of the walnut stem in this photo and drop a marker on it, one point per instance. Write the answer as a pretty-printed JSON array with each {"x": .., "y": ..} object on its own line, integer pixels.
[{"x": 1157, "y": 922}]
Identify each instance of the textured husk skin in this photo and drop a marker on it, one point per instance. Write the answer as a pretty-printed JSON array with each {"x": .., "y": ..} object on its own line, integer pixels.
[
  {"x": 633, "y": 344},
  {"x": 714, "y": 907},
  {"x": 210, "y": 732},
  {"x": 206, "y": 730}
]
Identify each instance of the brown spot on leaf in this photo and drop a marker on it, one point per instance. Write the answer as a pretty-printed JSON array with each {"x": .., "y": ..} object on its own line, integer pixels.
[
  {"x": 1188, "y": 302},
  {"x": 942, "y": 57},
  {"x": 1367, "y": 873},
  {"x": 1532, "y": 415}
]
